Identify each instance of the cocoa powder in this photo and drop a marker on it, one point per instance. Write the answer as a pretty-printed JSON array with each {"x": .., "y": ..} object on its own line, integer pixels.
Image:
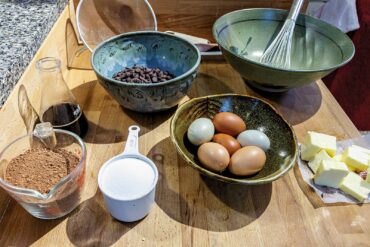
[{"x": 40, "y": 168}]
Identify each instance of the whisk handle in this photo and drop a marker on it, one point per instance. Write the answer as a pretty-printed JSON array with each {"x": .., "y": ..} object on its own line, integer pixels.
[{"x": 294, "y": 9}]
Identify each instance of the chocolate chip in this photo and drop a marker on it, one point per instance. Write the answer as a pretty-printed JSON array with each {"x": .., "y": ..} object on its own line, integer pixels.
[{"x": 141, "y": 74}]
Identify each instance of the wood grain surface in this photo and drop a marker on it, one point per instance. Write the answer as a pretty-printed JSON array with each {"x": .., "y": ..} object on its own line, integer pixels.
[
  {"x": 190, "y": 210},
  {"x": 196, "y": 17}
]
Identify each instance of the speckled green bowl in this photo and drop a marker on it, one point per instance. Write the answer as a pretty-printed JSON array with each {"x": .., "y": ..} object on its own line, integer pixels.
[
  {"x": 150, "y": 49},
  {"x": 318, "y": 48},
  {"x": 257, "y": 114}
]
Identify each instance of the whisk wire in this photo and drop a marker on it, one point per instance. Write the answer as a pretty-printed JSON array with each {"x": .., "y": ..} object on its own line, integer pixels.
[{"x": 278, "y": 53}]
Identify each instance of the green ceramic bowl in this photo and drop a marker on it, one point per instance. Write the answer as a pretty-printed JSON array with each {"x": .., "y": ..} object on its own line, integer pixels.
[
  {"x": 150, "y": 49},
  {"x": 257, "y": 114},
  {"x": 317, "y": 47}
]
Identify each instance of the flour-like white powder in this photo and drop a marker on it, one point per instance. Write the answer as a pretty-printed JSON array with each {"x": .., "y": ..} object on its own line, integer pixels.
[{"x": 127, "y": 178}]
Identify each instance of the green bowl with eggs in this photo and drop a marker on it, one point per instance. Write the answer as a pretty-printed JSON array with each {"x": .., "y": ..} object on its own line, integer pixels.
[{"x": 257, "y": 114}]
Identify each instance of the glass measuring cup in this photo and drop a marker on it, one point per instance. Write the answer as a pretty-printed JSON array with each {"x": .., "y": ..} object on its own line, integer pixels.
[
  {"x": 62, "y": 197},
  {"x": 128, "y": 181}
]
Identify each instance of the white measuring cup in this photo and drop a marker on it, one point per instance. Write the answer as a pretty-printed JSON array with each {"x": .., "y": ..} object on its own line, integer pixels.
[{"x": 128, "y": 181}]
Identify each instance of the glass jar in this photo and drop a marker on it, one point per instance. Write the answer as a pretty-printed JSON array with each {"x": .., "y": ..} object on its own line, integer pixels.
[
  {"x": 62, "y": 197},
  {"x": 58, "y": 105}
]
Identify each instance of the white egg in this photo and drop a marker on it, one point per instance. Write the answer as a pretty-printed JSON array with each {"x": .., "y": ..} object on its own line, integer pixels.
[
  {"x": 254, "y": 138},
  {"x": 201, "y": 131}
]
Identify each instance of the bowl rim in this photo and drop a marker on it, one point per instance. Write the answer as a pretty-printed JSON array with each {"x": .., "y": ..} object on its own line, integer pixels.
[
  {"x": 312, "y": 20},
  {"x": 184, "y": 75},
  {"x": 221, "y": 177}
]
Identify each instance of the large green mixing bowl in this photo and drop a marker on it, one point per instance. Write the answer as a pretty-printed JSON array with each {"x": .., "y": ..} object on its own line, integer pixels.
[{"x": 318, "y": 48}]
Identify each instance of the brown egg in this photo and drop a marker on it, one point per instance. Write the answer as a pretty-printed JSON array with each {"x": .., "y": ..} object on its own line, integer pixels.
[
  {"x": 247, "y": 161},
  {"x": 213, "y": 156},
  {"x": 229, "y": 142},
  {"x": 228, "y": 123}
]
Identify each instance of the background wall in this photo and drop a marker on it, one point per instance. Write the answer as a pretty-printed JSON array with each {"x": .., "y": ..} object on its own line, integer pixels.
[{"x": 196, "y": 17}]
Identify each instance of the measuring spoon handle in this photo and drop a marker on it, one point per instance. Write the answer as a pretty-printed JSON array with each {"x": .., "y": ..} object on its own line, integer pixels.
[{"x": 132, "y": 143}]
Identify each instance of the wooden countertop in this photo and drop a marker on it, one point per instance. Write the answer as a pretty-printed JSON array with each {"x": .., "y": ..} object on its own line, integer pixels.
[{"x": 190, "y": 210}]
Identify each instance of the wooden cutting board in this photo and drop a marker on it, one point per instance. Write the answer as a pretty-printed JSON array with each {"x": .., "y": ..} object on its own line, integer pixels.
[{"x": 190, "y": 210}]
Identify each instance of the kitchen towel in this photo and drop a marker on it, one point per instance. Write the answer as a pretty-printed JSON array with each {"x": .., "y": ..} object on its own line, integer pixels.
[
  {"x": 350, "y": 84},
  {"x": 340, "y": 13}
]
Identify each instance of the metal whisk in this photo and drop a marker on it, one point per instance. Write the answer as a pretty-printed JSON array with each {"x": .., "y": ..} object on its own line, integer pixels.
[{"x": 279, "y": 51}]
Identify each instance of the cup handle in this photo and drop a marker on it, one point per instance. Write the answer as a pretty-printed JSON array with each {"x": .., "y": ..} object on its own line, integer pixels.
[{"x": 132, "y": 143}]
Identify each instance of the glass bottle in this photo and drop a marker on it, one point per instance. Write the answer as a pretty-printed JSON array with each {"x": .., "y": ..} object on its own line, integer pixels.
[{"x": 58, "y": 105}]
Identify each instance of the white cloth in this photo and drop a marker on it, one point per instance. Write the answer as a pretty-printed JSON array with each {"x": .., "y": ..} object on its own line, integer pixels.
[{"x": 339, "y": 13}]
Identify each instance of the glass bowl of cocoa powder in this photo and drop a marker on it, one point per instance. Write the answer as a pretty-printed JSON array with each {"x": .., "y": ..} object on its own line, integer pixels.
[{"x": 47, "y": 182}]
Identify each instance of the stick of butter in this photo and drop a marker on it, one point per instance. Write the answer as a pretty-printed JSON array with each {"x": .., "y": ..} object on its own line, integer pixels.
[
  {"x": 316, "y": 161},
  {"x": 315, "y": 142},
  {"x": 330, "y": 173},
  {"x": 355, "y": 158},
  {"x": 364, "y": 150},
  {"x": 355, "y": 186},
  {"x": 338, "y": 157}
]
